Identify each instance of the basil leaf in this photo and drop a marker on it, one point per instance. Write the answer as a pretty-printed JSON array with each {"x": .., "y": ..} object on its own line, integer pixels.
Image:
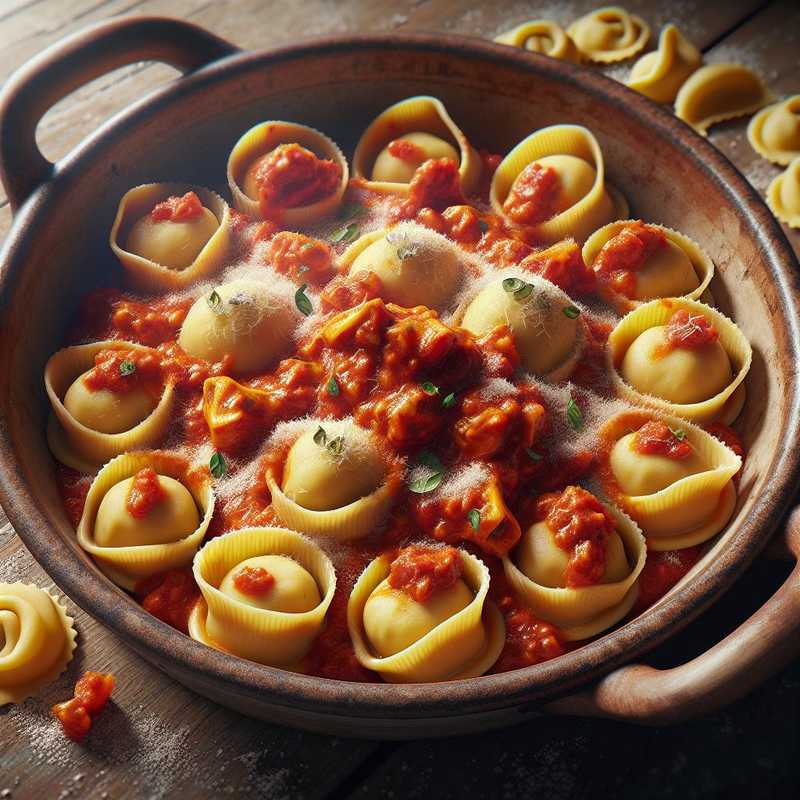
[
  {"x": 678, "y": 433},
  {"x": 474, "y": 517},
  {"x": 449, "y": 401},
  {"x": 302, "y": 302},
  {"x": 533, "y": 455},
  {"x": 344, "y": 234},
  {"x": 524, "y": 293},
  {"x": 572, "y": 312},
  {"x": 430, "y": 388},
  {"x": 336, "y": 446},
  {"x": 333, "y": 386},
  {"x": 218, "y": 465},
  {"x": 215, "y": 302},
  {"x": 426, "y": 484},
  {"x": 513, "y": 285},
  {"x": 127, "y": 368},
  {"x": 320, "y": 437},
  {"x": 574, "y": 415}
]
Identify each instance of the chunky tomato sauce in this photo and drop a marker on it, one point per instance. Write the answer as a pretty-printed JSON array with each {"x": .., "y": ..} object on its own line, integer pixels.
[
  {"x": 170, "y": 596},
  {"x": 145, "y": 494},
  {"x": 122, "y": 371},
  {"x": 625, "y": 253},
  {"x": 661, "y": 572},
  {"x": 300, "y": 257},
  {"x": 177, "y": 209},
  {"x": 292, "y": 176},
  {"x": 254, "y": 581},
  {"x": 533, "y": 194},
  {"x": 405, "y": 150},
  {"x": 689, "y": 331},
  {"x": 435, "y": 185},
  {"x": 657, "y": 438},
  {"x": 92, "y": 693},
  {"x": 421, "y": 572}
]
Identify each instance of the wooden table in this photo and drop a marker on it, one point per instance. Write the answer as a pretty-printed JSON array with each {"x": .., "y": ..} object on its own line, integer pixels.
[{"x": 159, "y": 739}]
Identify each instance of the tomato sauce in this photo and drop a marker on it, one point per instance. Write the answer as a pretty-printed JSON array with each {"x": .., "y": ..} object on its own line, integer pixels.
[
  {"x": 122, "y": 371},
  {"x": 421, "y": 572},
  {"x": 689, "y": 331},
  {"x": 625, "y": 253},
  {"x": 177, "y": 209},
  {"x": 581, "y": 526},
  {"x": 301, "y": 258},
  {"x": 145, "y": 494},
  {"x": 657, "y": 438},
  {"x": 170, "y": 597},
  {"x": 92, "y": 693},
  {"x": 405, "y": 150},
  {"x": 562, "y": 264},
  {"x": 533, "y": 194},
  {"x": 254, "y": 581},
  {"x": 292, "y": 176},
  {"x": 436, "y": 184},
  {"x": 661, "y": 572}
]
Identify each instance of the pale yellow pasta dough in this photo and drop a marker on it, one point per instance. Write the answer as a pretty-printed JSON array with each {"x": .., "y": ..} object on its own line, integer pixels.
[
  {"x": 544, "y": 562},
  {"x": 173, "y": 518},
  {"x": 575, "y": 179},
  {"x": 333, "y": 471},
  {"x": 393, "y": 620},
  {"x": 106, "y": 411},
  {"x": 171, "y": 244},
  {"x": 639, "y": 474},
  {"x": 415, "y": 266},
  {"x": 544, "y": 335},
  {"x": 680, "y": 375},
  {"x": 609, "y": 34},
  {"x": 775, "y": 131},
  {"x": 294, "y": 592},
  {"x": 783, "y": 195},
  {"x": 245, "y": 319},
  {"x": 401, "y": 170},
  {"x": 668, "y": 272}
]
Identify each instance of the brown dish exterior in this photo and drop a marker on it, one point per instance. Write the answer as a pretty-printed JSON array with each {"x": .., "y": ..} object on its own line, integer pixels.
[{"x": 54, "y": 254}]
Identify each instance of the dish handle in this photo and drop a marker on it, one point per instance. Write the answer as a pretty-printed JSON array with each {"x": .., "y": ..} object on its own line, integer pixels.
[
  {"x": 71, "y": 63},
  {"x": 757, "y": 649}
]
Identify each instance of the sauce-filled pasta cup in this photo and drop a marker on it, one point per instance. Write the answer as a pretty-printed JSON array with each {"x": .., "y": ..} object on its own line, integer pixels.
[
  {"x": 537, "y": 571},
  {"x": 542, "y": 36},
  {"x": 553, "y": 183},
  {"x": 673, "y": 478},
  {"x": 146, "y": 512},
  {"x": 336, "y": 481},
  {"x": 681, "y": 357},
  {"x": 261, "y": 167},
  {"x": 106, "y": 398},
  {"x": 38, "y": 640},
  {"x": 265, "y": 593},
  {"x": 636, "y": 262},
  {"x": 404, "y": 136},
  {"x": 444, "y": 628},
  {"x": 168, "y": 236},
  {"x": 543, "y": 320}
]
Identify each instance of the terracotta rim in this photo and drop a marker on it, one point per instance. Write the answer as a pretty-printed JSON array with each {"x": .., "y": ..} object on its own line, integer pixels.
[{"x": 238, "y": 677}]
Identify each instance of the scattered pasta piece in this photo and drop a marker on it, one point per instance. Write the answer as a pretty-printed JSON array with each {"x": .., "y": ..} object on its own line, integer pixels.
[
  {"x": 717, "y": 92},
  {"x": 775, "y": 131},
  {"x": 609, "y": 34},
  {"x": 542, "y": 36},
  {"x": 783, "y": 195},
  {"x": 37, "y": 640},
  {"x": 660, "y": 74}
]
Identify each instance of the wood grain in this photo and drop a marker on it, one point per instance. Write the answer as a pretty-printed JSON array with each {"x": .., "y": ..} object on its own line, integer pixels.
[{"x": 161, "y": 740}]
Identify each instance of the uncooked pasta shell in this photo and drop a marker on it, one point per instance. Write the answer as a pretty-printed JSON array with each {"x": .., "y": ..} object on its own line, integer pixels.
[
  {"x": 717, "y": 92},
  {"x": 464, "y": 646},
  {"x": 542, "y": 36},
  {"x": 126, "y": 566},
  {"x": 725, "y": 405},
  {"x": 581, "y": 612},
  {"x": 145, "y": 274},
  {"x": 350, "y": 522},
  {"x": 783, "y": 195},
  {"x": 659, "y": 75},
  {"x": 680, "y": 512},
  {"x": 609, "y": 34},
  {"x": 780, "y": 142},
  {"x": 599, "y": 206},
  {"x": 701, "y": 261},
  {"x": 82, "y": 448},
  {"x": 276, "y": 638},
  {"x": 422, "y": 114},
  {"x": 265, "y": 137},
  {"x": 37, "y": 640}
]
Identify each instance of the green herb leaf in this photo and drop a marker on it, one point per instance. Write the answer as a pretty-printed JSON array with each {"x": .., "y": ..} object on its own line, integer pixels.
[
  {"x": 574, "y": 415},
  {"x": 430, "y": 388},
  {"x": 572, "y": 312},
  {"x": 215, "y": 302},
  {"x": 333, "y": 386},
  {"x": 678, "y": 433},
  {"x": 350, "y": 211},
  {"x": 513, "y": 285},
  {"x": 483, "y": 225},
  {"x": 127, "y": 368},
  {"x": 524, "y": 293},
  {"x": 336, "y": 446},
  {"x": 302, "y": 302},
  {"x": 533, "y": 455},
  {"x": 320, "y": 437},
  {"x": 426, "y": 484},
  {"x": 218, "y": 465},
  {"x": 344, "y": 234},
  {"x": 449, "y": 401},
  {"x": 474, "y": 517},
  {"x": 429, "y": 459}
]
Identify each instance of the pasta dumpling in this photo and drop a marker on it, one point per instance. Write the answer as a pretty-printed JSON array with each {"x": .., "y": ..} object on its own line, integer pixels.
[
  {"x": 415, "y": 265},
  {"x": 399, "y": 160},
  {"x": 609, "y": 34},
  {"x": 542, "y": 319},
  {"x": 542, "y": 36},
  {"x": 783, "y": 195},
  {"x": 775, "y": 131},
  {"x": 246, "y": 320}
]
